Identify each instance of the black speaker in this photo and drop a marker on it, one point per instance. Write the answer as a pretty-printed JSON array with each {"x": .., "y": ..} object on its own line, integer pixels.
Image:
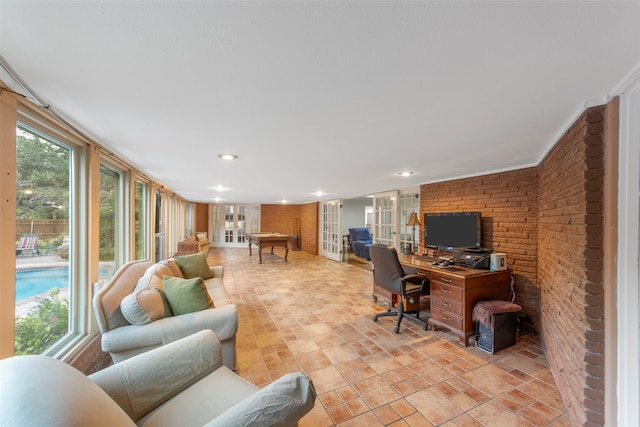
[{"x": 502, "y": 336}]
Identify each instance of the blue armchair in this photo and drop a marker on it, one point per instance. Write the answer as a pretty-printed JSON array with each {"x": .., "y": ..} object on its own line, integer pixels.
[{"x": 360, "y": 241}]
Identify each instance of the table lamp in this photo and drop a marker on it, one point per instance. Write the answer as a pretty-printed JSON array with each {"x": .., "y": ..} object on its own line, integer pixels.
[{"x": 413, "y": 221}]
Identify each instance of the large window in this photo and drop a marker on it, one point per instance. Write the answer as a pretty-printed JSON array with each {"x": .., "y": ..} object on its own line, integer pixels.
[
  {"x": 78, "y": 218},
  {"x": 141, "y": 218},
  {"x": 110, "y": 244},
  {"x": 190, "y": 215},
  {"x": 44, "y": 287},
  {"x": 160, "y": 227}
]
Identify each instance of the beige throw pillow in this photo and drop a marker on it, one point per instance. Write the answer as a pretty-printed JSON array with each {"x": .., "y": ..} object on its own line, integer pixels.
[{"x": 146, "y": 306}]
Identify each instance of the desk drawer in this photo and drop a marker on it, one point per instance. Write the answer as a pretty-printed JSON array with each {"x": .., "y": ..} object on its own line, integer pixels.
[
  {"x": 448, "y": 280},
  {"x": 451, "y": 305},
  {"x": 447, "y": 291},
  {"x": 445, "y": 317},
  {"x": 411, "y": 270}
]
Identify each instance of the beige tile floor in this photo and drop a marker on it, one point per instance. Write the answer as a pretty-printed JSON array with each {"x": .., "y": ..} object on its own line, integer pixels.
[{"x": 314, "y": 315}]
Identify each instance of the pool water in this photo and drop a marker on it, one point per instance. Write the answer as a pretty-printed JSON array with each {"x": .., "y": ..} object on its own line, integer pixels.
[{"x": 38, "y": 281}]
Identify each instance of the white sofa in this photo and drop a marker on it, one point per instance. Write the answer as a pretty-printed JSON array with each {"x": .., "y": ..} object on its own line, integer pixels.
[
  {"x": 181, "y": 384},
  {"x": 123, "y": 340}
]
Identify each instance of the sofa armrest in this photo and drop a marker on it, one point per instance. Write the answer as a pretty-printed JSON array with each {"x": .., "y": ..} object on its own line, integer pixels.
[
  {"x": 217, "y": 271},
  {"x": 281, "y": 403},
  {"x": 142, "y": 383}
]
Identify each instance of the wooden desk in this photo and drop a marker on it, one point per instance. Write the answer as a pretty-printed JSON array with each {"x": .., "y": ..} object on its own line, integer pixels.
[
  {"x": 454, "y": 293},
  {"x": 268, "y": 239}
]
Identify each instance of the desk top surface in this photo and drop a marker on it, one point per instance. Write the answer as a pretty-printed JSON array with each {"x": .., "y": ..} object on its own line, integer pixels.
[{"x": 456, "y": 270}]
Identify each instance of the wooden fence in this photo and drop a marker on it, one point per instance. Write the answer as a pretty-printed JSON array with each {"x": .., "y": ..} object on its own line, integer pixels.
[{"x": 46, "y": 229}]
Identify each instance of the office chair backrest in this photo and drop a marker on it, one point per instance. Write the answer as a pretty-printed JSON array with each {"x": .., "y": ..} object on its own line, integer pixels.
[{"x": 387, "y": 270}]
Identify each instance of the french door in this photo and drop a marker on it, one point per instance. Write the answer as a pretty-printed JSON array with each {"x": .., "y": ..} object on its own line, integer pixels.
[
  {"x": 330, "y": 226},
  {"x": 385, "y": 218},
  {"x": 230, "y": 224}
]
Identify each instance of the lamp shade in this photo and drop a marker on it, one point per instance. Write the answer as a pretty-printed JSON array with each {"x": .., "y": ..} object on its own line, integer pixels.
[{"x": 413, "y": 219}]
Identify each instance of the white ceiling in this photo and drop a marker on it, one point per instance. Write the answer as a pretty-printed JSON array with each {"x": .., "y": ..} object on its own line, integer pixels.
[{"x": 320, "y": 96}]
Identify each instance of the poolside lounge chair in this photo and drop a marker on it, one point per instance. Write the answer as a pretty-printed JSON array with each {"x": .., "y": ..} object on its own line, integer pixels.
[{"x": 28, "y": 243}]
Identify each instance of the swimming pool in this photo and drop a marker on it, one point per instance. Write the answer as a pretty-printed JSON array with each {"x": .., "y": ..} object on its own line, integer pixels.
[{"x": 37, "y": 281}]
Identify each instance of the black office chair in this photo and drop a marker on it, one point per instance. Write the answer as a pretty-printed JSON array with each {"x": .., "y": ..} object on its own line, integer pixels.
[{"x": 389, "y": 274}]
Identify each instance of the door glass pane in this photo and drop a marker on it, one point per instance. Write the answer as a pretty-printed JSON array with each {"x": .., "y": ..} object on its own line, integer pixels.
[
  {"x": 385, "y": 230},
  {"x": 409, "y": 203},
  {"x": 43, "y": 243},
  {"x": 241, "y": 223},
  {"x": 228, "y": 224}
]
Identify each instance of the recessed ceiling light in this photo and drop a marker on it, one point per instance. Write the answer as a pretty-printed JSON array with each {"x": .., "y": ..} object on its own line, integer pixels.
[
  {"x": 219, "y": 188},
  {"x": 228, "y": 156},
  {"x": 283, "y": 201},
  {"x": 405, "y": 173},
  {"x": 319, "y": 193}
]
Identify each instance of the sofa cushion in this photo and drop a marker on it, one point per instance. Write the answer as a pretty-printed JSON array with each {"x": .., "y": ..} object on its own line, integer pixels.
[
  {"x": 186, "y": 295},
  {"x": 146, "y": 306},
  {"x": 194, "y": 265},
  {"x": 202, "y": 238}
]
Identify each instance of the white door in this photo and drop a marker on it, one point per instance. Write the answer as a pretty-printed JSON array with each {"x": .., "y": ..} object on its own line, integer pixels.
[
  {"x": 229, "y": 224},
  {"x": 385, "y": 219},
  {"x": 330, "y": 226}
]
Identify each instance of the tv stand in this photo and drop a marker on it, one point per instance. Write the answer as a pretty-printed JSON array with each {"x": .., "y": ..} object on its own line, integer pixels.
[{"x": 454, "y": 292}]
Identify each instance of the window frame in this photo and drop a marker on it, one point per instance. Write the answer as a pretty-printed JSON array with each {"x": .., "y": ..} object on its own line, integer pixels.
[{"x": 80, "y": 318}]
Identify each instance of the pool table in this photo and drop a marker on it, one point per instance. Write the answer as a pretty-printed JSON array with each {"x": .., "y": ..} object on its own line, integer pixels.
[{"x": 268, "y": 239}]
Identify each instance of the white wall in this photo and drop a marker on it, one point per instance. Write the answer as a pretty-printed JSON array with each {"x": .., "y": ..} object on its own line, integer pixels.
[{"x": 353, "y": 213}]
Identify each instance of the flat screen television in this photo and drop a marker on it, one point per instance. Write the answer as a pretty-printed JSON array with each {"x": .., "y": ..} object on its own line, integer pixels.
[{"x": 445, "y": 231}]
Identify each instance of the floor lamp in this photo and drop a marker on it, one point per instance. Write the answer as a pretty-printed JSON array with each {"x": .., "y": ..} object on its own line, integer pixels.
[{"x": 413, "y": 221}]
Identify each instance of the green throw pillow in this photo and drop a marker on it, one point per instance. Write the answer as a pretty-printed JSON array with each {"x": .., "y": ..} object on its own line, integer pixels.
[
  {"x": 186, "y": 295},
  {"x": 194, "y": 265}
]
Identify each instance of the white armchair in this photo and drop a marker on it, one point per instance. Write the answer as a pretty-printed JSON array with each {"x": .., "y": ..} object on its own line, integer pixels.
[{"x": 183, "y": 383}]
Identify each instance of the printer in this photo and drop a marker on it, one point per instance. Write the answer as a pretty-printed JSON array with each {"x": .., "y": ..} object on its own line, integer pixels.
[{"x": 473, "y": 257}]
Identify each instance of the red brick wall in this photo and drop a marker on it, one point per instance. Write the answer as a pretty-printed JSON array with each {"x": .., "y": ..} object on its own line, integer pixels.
[
  {"x": 91, "y": 358},
  {"x": 278, "y": 218},
  {"x": 282, "y": 218},
  {"x": 309, "y": 226},
  {"x": 507, "y": 203},
  {"x": 570, "y": 268},
  {"x": 549, "y": 221}
]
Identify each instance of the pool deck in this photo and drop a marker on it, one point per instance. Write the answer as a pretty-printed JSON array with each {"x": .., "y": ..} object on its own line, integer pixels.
[{"x": 26, "y": 262}]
